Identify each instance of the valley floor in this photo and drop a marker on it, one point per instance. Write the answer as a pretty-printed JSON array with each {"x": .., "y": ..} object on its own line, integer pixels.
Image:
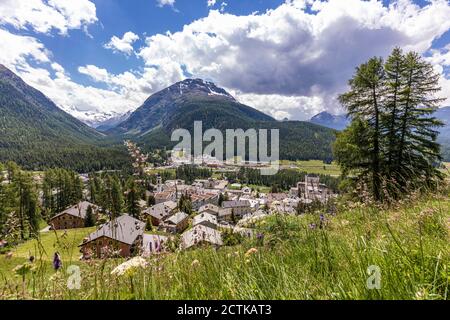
[{"x": 406, "y": 247}]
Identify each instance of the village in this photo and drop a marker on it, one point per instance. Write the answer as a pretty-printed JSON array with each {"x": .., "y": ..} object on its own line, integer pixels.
[{"x": 217, "y": 208}]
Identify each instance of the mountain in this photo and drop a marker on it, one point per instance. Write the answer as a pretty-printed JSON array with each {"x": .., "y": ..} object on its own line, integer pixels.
[
  {"x": 326, "y": 119},
  {"x": 111, "y": 122},
  {"x": 36, "y": 133},
  {"x": 191, "y": 98},
  {"x": 94, "y": 119},
  {"x": 340, "y": 122},
  {"x": 179, "y": 105}
]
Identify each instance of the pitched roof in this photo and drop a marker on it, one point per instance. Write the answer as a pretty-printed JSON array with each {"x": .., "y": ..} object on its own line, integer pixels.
[
  {"x": 204, "y": 217},
  {"x": 209, "y": 207},
  {"x": 161, "y": 210},
  {"x": 124, "y": 229},
  {"x": 236, "y": 203},
  {"x": 199, "y": 234},
  {"x": 79, "y": 210},
  {"x": 177, "y": 217}
]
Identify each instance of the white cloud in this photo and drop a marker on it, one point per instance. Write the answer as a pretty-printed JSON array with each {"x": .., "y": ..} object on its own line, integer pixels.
[
  {"x": 163, "y": 3},
  {"x": 43, "y": 16},
  {"x": 211, "y": 3},
  {"x": 293, "y": 52},
  {"x": 281, "y": 107},
  {"x": 288, "y": 62},
  {"x": 16, "y": 50},
  {"x": 123, "y": 44}
]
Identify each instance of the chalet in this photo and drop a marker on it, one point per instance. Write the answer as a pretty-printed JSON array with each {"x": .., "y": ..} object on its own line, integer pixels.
[
  {"x": 161, "y": 211},
  {"x": 239, "y": 207},
  {"x": 123, "y": 235},
  {"x": 205, "y": 219},
  {"x": 176, "y": 223},
  {"x": 200, "y": 235},
  {"x": 73, "y": 217}
]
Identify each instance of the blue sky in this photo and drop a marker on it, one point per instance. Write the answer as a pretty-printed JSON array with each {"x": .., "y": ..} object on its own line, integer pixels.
[
  {"x": 289, "y": 58},
  {"x": 142, "y": 17}
]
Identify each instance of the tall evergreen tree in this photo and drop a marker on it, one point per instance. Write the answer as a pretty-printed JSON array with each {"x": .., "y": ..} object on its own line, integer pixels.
[
  {"x": 393, "y": 131},
  {"x": 364, "y": 101},
  {"x": 133, "y": 199},
  {"x": 116, "y": 197}
]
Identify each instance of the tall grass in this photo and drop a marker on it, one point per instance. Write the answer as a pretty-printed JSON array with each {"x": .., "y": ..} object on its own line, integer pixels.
[{"x": 295, "y": 260}]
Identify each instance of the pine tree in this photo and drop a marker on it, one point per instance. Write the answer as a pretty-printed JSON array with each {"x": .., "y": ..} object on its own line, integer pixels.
[
  {"x": 116, "y": 197},
  {"x": 89, "y": 221},
  {"x": 393, "y": 133},
  {"x": 364, "y": 101},
  {"x": 133, "y": 200},
  {"x": 418, "y": 150}
]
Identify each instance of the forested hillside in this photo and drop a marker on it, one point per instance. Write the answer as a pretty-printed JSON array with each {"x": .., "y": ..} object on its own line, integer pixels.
[{"x": 37, "y": 134}]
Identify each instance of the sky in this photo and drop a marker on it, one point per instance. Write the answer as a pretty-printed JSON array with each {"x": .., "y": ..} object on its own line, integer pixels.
[{"x": 289, "y": 59}]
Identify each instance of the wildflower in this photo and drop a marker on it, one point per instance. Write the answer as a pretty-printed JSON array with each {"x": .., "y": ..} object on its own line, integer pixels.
[
  {"x": 129, "y": 267},
  {"x": 195, "y": 263},
  {"x": 57, "y": 262},
  {"x": 251, "y": 251},
  {"x": 312, "y": 226}
]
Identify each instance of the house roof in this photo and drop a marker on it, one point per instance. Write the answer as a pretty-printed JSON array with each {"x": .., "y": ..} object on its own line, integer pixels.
[
  {"x": 236, "y": 204},
  {"x": 199, "y": 234},
  {"x": 204, "y": 217},
  {"x": 161, "y": 210},
  {"x": 209, "y": 207},
  {"x": 177, "y": 217},
  {"x": 124, "y": 229},
  {"x": 79, "y": 210}
]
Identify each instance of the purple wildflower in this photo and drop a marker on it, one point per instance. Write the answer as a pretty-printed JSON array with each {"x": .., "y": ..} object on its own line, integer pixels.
[{"x": 57, "y": 263}]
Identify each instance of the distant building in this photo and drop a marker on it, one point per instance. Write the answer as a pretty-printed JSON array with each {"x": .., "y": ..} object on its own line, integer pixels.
[
  {"x": 176, "y": 223},
  {"x": 160, "y": 212},
  {"x": 164, "y": 196},
  {"x": 312, "y": 189},
  {"x": 209, "y": 208},
  {"x": 206, "y": 219},
  {"x": 73, "y": 217},
  {"x": 123, "y": 235},
  {"x": 153, "y": 243},
  {"x": 239, "y": 207},
  {"x": 200, "y": 235}
]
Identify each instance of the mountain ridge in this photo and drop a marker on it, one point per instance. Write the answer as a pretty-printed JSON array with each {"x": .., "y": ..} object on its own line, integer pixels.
[
  {"x": 190, "y": 100},
  {"x": 36, "y": 133}
]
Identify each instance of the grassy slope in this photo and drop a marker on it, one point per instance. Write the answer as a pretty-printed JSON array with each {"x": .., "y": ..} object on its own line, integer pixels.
[
  {"x": 314, "y": 166},
  {"x": 409, "y": 244}
]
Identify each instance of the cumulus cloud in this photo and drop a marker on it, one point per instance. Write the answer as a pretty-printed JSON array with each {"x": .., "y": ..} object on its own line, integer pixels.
[
  {"x": 123, "y": 44},
  {"x": 211, "y": 3},
  {"x": 294, "y": 52},
  {"x": 43, "y": 16},
  {"x": 290, "y": 62},
  {"x": 16, "y": 50},
  {"x": 162, "y": 3}
]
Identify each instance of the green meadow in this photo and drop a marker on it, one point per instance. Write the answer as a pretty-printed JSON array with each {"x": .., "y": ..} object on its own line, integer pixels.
[{"x": 404, "y": 248}]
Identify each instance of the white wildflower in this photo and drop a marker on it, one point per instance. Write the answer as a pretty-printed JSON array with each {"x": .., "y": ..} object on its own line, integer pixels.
[{"x": 129, "y": 267}]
